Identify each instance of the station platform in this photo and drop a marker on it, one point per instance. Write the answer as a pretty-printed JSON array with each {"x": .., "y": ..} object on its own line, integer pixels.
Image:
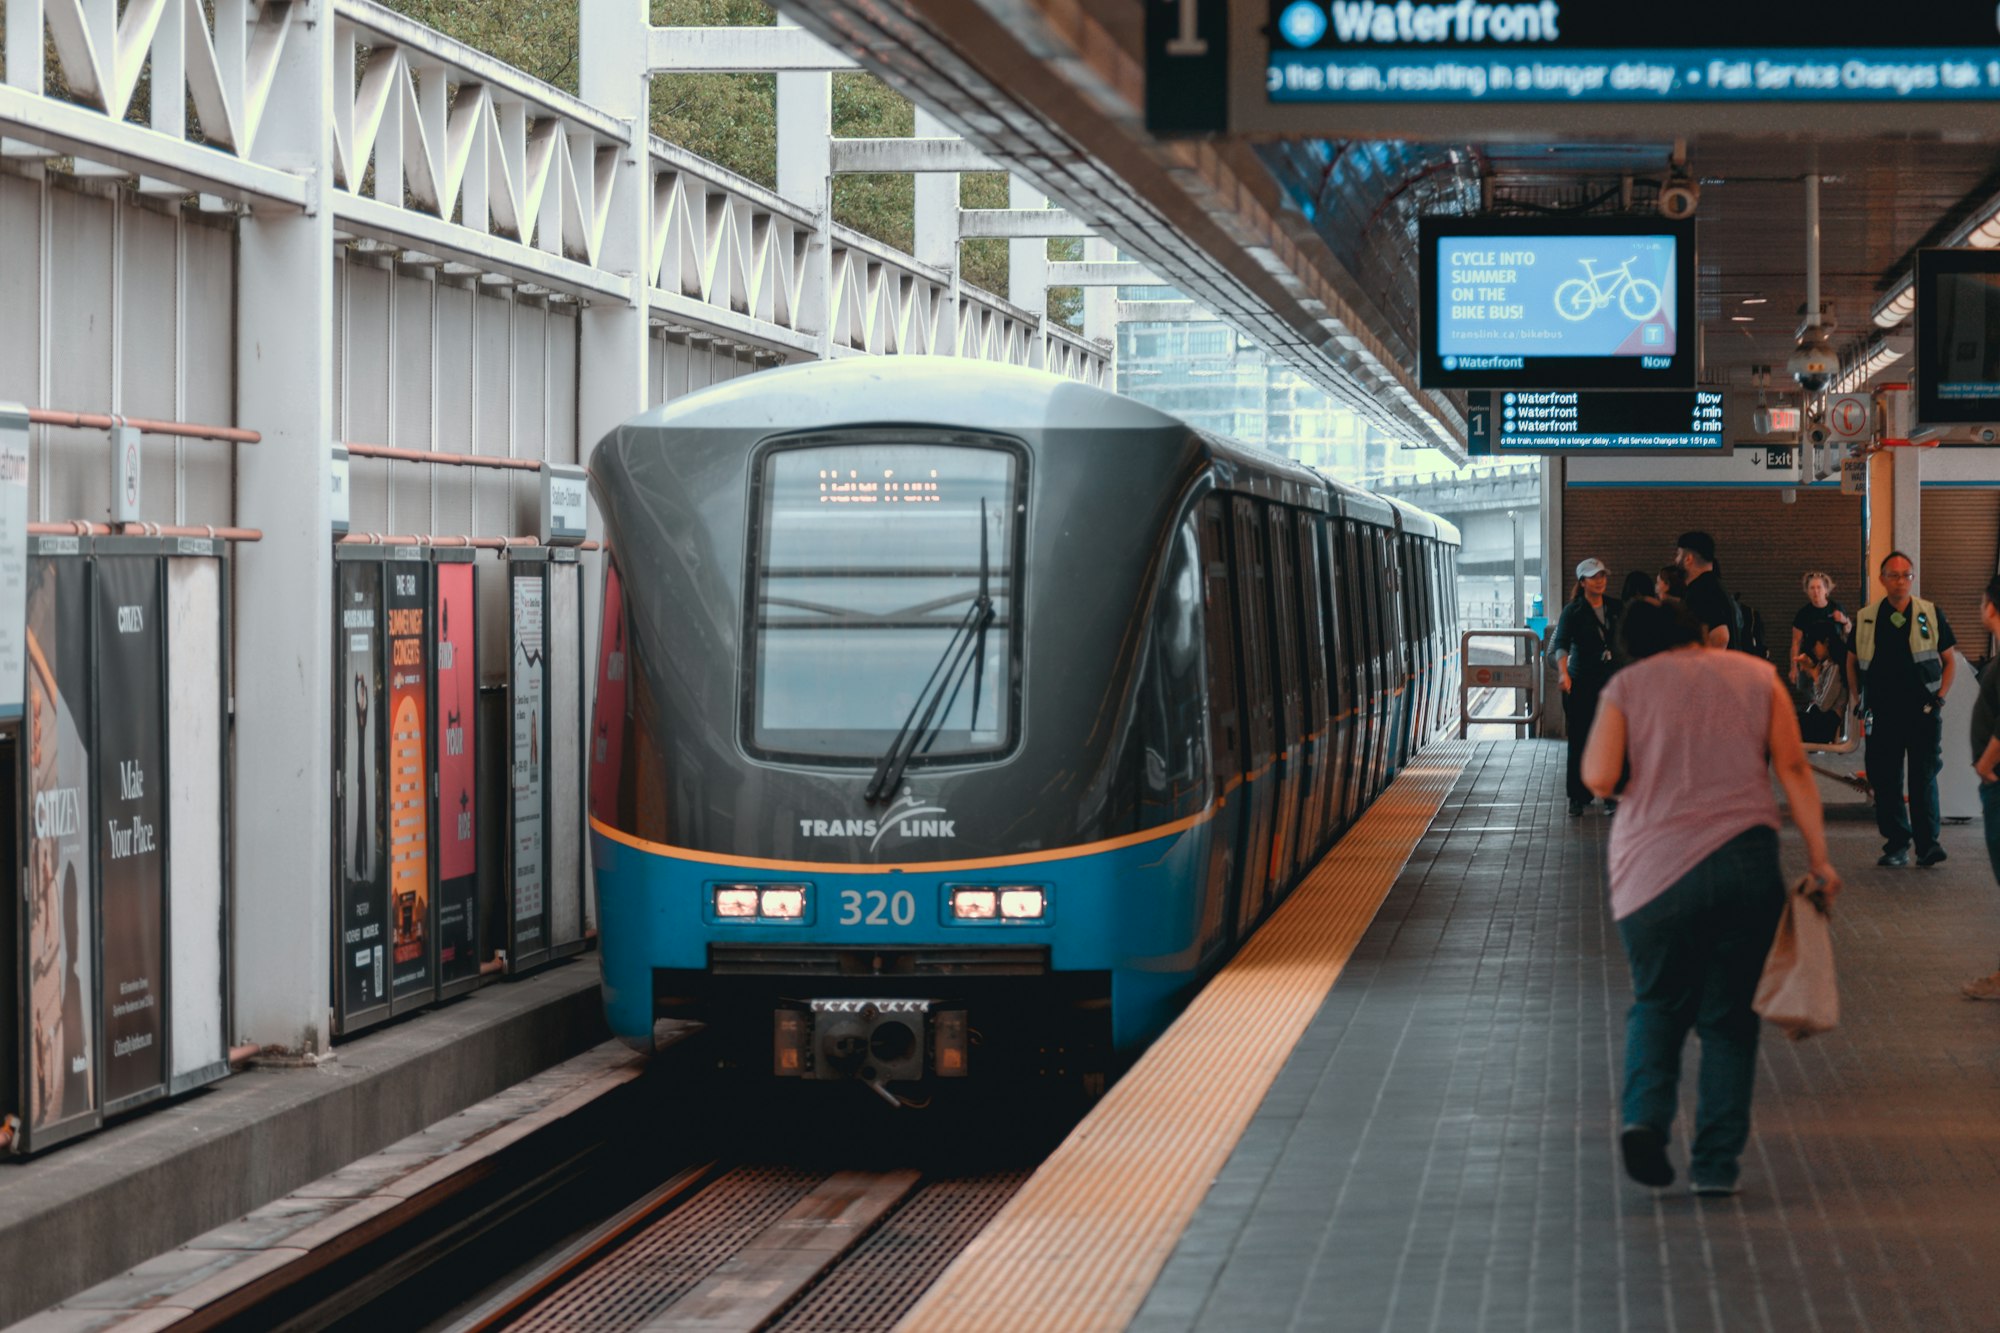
[
  {"x": 82, "y": 1212},
  {"x": 1435, "y": 1148}
]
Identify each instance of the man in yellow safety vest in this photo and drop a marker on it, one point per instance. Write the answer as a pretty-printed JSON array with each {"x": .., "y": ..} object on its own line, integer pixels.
[{"x": 1898, "y": 676}]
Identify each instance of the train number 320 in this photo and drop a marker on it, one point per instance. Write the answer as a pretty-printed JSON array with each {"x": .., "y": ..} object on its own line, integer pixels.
[{"x": 874, "y": 907}]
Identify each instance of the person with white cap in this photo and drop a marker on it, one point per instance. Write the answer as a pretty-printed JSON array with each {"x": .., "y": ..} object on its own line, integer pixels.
[{"x": 1586, "y": 654}]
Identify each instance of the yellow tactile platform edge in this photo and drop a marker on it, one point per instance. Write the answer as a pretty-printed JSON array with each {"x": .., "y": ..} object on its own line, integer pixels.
[{"x": 1083, "y": 1241}]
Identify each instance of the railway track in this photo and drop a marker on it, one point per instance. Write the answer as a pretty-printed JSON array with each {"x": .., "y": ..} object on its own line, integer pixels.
[{"x": 756, "y": 1247}]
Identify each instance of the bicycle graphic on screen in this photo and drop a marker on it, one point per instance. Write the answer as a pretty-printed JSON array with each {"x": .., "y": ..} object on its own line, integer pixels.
[{"x": 1580, "y": 298}]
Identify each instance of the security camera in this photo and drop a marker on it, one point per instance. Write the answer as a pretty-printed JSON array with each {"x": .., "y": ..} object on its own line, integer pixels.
[
  {"x": 1816, "y": 434},
  {"x": 1812, "y": 363},
  {"x": 1987, "y": 435},
  {"x": 1678, "y": 198}
]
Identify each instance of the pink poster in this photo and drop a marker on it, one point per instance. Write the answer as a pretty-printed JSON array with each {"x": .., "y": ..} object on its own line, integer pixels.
[{"x": 457, "y": 840}]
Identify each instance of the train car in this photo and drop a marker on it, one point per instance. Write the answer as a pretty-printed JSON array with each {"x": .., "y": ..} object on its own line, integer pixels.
[{"x": 956, "y": 720}]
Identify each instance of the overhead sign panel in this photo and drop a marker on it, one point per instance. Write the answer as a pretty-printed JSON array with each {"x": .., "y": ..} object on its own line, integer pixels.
[
  {"x": 1593, "y": 303},
  {"x": 1295, "y": 59},
  {"x": 1596, "y": 423}
]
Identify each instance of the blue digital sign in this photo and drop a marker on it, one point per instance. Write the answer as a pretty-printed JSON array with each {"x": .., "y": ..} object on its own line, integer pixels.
[
  {"x": 1594, "y": 303},
  {"x": 1527, "y": 422}
]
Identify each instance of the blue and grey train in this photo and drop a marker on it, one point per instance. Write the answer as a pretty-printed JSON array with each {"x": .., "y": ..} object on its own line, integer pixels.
[{"x": 956, "y": 720}]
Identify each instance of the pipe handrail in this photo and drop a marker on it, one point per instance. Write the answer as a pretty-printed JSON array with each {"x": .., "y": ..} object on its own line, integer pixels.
[
  {"x": 1533, "y": 667},
  {"x": 185, "y": 430},
  {"x": 396, "y": 454},
  {"x": 455, "y": 541},
  {"x": 83, "y": 527}
]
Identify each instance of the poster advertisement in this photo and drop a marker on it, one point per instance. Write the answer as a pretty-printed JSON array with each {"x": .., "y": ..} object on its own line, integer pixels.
[
  {"x": 61, "y": 909},
  {"x": 565, "y": 741},
  {"x": 13, "y": 553},
  {"x": 607, "y": 725},
  {"x": 529, "y": 930},
  {"x": 361, "y": 974},
  {"x": 411, "y": 975},
  {"x": 195, "y": 870},
  {"x": 457, "y": 678},
  {"x": 131, "y": 828}
]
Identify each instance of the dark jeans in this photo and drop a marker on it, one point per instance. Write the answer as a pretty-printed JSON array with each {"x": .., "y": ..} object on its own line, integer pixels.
[
  {"x": 1989, "y": 810},
  {"x": 1697, "y": 951},
  {"x": 1897, "y": 741},
  {"x": 1579, "y": 711}
]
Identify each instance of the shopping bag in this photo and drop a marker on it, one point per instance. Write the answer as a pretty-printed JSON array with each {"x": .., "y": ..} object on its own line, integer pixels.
[{"x": 1797, "y": 991}]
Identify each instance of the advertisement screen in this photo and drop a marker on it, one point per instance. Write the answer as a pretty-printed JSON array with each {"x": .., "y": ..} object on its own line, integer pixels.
[
  {"x": 1524, "y": 422},
  {"x": 362, "y": 948},
  {"x": 565, "y": 740},
  {"x": 1958, "y": 336},
  {"x": 528, "y": 915},
  {"x": 409, "y": 783},
  {"x": 193, "y": 624},
  {"x": 61, "y": 908},
  {"x": 131, "y": 842},
  {"x": 458, "y": 786},
  {"x": 1601, "y": 303}
]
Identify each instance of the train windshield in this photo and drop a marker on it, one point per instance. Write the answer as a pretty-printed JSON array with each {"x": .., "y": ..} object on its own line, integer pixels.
[{"x": 869, "y": 562}]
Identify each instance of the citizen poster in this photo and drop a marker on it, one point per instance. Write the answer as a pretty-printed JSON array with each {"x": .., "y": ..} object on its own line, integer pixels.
[
  {"x": 607, "y": 726},
  {"x": 61, "y": 908},
  {"x": 458, "y": 783},
  {"x": 565, "y": 743},
  {"x": 529, "y": 930},
  {"x": 409, "y": 785},
  {"x": 196, "y": 926},
  {"x": 131, "y": 827},
  {"x": 361, "y": 977}
]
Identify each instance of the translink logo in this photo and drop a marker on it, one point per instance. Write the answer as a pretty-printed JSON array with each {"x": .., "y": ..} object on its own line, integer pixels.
[{"x": 1410, "y": 21}]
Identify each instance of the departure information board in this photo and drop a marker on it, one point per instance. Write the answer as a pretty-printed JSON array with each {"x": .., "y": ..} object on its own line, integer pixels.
[{"x": 1596, "y": 423}]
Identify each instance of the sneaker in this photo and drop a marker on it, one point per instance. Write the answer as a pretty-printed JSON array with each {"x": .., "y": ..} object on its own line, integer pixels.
[
  {"x": 1611, "y": 807},
  {"x": 1984, "y": 988},
  {"x": 1899, "y": 857},
  {"x": 1935, "y": 856},
  {"x": 1712, "y": 1189},
  {"x": 1645, "y": 1152},
  {"x": 1575, "y": 808}
]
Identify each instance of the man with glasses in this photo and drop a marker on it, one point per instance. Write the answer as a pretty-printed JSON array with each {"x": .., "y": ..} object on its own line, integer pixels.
[{"x": 1898, "y": 676}]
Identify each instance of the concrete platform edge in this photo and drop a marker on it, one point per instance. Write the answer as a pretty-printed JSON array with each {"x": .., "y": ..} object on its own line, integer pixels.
[{"x": 93, "y": 1209}]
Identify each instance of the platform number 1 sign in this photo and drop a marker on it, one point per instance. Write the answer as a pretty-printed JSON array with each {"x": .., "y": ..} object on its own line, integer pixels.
[{"x": 1187, "y": 67}]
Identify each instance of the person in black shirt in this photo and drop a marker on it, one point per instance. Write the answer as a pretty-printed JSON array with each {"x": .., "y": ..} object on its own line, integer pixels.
[
  {"x": 1902, "y": 666},
  {"x": 1585, "y": 659},
  {"x": 1820, "y": 609},
  {"x": 1694, "y": 552},
  {"x": 1986, "y": 763}
]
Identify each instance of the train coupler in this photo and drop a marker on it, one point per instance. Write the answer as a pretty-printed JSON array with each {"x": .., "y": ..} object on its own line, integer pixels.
[{"x": 874, "y": 1041}]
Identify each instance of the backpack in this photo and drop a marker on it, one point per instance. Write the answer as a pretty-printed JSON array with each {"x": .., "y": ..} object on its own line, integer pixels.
[{"x": 1748, "y": 634}]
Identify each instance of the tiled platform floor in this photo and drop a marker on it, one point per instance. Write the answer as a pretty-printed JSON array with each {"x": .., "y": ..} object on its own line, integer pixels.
[{"x": 1439, "y": 1152}]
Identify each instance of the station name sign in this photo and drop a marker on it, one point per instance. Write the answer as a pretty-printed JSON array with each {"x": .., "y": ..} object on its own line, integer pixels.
[
  {"x": 1291, "y": 62},
  {"x": 1596, "y": 423}
]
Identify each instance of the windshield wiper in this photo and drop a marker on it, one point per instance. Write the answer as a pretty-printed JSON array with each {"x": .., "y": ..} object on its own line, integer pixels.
[{"x": 970, "y": 633}]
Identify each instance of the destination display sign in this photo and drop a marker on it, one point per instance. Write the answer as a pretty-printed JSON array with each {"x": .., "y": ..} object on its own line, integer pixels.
[
  {"x": 1573, "y": 422},
  {"x": 1597, "y": 303},
  {"x": 1292, "y": 56}
]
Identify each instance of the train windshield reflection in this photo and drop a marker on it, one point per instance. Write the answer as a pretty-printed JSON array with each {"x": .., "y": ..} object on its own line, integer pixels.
[{"x": 869, "y": 557}]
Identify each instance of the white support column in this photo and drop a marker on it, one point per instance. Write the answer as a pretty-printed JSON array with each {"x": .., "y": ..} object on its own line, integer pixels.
[
  {"x": 1100, "y": 304},
  {"x": 1028, "y": 259},
  {"x": 1908, "y": 519},
  {"x": 805, "y": 176},
  {"x": 937, "y": 232},
  {"x": 283, "y": 617}
]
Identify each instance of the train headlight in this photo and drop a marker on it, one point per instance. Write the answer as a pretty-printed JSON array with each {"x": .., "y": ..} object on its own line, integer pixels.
[
  {"x": 786, "y": 902},
  {"x": 1022, "y": 904},
  {"x": 974, "y": 904},
  {"x": 736, "y": 900}
]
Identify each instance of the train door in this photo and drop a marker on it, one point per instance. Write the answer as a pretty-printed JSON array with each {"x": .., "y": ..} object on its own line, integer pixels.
[
  {"x": 1417, "y": 577},
  {"x": 1225, "y": 729},
  {"x": 1340, "y": 673},
  {"x": 1395, "y": 671},
  {"x": 1366, "y": 582},
  {"x": 1283, "y": 586},
  {"x": 1259, "y": 710},
  {"x": 1312, "y": 650}
]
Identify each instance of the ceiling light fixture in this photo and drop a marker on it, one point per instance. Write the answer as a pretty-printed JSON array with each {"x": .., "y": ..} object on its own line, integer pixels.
[
  {"x": 1755, "y": 300},
  {"x": 1871, "y": 363},
  {"x": 1982, "y": 232},
  {"x": 1742, "y": 319}
]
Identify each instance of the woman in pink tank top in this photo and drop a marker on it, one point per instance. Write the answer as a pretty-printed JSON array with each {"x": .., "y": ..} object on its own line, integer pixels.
[{"x": 1696, "y": 887}]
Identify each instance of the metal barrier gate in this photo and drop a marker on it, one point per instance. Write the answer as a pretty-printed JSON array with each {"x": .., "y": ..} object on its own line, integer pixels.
[{"x": 1525, "y": 676}]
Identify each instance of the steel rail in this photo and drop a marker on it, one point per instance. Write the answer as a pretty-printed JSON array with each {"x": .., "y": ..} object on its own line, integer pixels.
[
  {"x": 83, "y": 527},
  {"x": 400, "y": 455},
  {"x": 184, "y": 430}
]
